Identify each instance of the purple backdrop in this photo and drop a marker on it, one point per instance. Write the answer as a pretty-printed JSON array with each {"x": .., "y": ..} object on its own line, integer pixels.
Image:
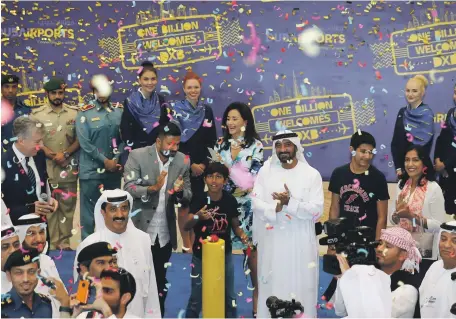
[{"x": 367, "y": 52}]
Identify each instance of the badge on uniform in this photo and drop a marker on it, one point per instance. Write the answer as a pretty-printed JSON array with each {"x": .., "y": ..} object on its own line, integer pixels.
[{"x": 95, "y": 119}]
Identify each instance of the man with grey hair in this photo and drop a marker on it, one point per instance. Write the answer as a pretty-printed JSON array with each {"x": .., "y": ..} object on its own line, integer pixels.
[{"x": 25, "y": 186}]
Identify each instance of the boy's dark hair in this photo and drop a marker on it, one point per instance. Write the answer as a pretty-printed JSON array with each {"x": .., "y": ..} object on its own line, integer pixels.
[
  {"x": 216, "y": 167},
  {"x": 363, "y": 138},
  {"x": 168, "y": 129},
  {"x": 428, "y": 173},
  {"x": 126, "y": 280}
]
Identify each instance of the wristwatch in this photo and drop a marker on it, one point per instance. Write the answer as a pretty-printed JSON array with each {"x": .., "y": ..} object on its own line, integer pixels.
[{"x": 66, "y": 154}]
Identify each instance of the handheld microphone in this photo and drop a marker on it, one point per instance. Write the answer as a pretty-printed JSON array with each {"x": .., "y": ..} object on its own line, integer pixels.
[{"x": 44, "y": 198}]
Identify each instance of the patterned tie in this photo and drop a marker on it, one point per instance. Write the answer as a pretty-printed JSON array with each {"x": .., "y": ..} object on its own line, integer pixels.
[{"x": 30, "y": 173}]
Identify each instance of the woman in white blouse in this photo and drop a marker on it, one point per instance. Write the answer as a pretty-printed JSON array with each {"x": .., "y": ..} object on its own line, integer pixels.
[{"x": 420, "y": 206}]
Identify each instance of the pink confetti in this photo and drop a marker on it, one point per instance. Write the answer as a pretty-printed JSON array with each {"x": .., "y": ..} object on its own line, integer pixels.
[
  {"x": 363, "y": 218},
  {"x": 192, "y": 265},
  {"x": 443, "y": 124},
  {"x": 23, "y": 250},
  {"x": 255, "y": 41},
  {"x": 118, "y": 245},
  {"x": 355, "y": 183},
  {"x": 140, "y": 70},
  {"x": 409, "y": 137},
  {"x": 248, "y": 300},
  {"x": 156, "y": 124},
  {"x": 206, "y": 123},
  {"x": 59, "y": 256},
  {"x": 114, "y": 142}
]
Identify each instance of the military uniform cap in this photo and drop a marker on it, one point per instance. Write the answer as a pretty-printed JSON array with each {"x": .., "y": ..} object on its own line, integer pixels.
[
  {"x": 54, "y": 84},
  {"x": 9, "y": 79},
  {"x": 18, "y": 258},
  {"x": 96, "y": 250}
]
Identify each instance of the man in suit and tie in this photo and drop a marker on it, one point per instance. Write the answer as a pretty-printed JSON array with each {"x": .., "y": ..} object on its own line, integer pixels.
[
  {"x": 158, "y": 178},
  {"x": 25, "y": 187}
]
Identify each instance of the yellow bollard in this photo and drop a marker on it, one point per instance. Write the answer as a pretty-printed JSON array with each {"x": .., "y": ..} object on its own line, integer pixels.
[{"x": 213, "y": 279}]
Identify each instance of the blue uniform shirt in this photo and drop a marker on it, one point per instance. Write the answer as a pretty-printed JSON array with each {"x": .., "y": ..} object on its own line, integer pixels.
[
  {"x": 96, "y": 127},
  {"x": 14, "y": 307},
  {"x": 7, "y": 130}
]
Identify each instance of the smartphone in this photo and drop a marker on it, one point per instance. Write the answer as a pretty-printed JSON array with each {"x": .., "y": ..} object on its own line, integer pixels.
[
  {"x": 46, "y": 282},
  {"x": 83, "y": 291}
]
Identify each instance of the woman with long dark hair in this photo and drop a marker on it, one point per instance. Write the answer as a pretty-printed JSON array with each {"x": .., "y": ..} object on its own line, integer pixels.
[
  {"x": 414, "y": 123},
  {"x": 420, "y": 203},
  {"x": 242, "y": 151},
  {"x": 144, "y": 110},
  {"x": 445, "y": 159}
]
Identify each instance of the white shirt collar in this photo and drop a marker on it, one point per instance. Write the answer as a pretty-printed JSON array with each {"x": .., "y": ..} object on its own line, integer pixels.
[{"x": 20, "y": 156}]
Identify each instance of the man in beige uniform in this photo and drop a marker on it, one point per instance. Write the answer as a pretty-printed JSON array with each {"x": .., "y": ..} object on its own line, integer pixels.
[{"x": 60, "y": 146}]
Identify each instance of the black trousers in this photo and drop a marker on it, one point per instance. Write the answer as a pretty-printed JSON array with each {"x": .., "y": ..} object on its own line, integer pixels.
[{"x": 161, "y": 255}]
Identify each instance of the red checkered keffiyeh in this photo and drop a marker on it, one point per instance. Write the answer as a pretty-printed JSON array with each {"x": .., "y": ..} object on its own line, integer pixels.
[{"x": 401, "y": 238}]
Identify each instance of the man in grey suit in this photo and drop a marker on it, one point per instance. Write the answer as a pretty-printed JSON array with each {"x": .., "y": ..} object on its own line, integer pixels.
[{"x": 157, "y": 177}]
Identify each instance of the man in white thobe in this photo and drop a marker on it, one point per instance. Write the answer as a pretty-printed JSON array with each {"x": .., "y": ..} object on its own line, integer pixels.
[
  {"x": 114, "y": 226},
  {"x": 287, "y": 200},
  {"x": 438, "y": 289},
  {"x": 32, "y": 234}
]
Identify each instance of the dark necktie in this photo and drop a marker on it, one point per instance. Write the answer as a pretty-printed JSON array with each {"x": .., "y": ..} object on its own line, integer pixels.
[{"x": 30, "y": 173}]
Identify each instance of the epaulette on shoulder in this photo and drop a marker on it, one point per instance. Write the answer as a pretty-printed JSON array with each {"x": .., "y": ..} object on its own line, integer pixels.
[
  {"x": 86, "y": 107},
  {"x": 45, "y": 298},
  {"x": 73, "y": 107},
  {"x": 37, "y": 109}
]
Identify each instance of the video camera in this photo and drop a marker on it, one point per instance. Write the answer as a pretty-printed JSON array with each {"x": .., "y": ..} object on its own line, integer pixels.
[
  {"x": 357, "y": 243},
  {"x": 282, "y": 308}
]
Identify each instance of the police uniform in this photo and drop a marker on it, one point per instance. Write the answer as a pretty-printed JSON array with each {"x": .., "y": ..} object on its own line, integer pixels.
[
  {"x": 19, "y": 109},
  {"x": 60, "y": 133},
  {"x": 12, "y": 303},
  {"x": 97, "y": 129},
  {"x": 95, "y": 250}
]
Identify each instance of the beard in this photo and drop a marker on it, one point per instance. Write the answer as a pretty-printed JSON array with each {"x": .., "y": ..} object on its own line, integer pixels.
[
  {"x": 115, "y": 308},
  {"x": 284, "y": 157},
  {"x": 56, "y": 102}
]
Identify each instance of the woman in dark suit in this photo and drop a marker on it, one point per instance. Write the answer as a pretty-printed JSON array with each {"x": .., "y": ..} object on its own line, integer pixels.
[
  {"x": 445, "y": 159},
  {"x": 414, "y": 123},
  {"x": 198, "y": 132},
  {"x": 144, "y": 110}
]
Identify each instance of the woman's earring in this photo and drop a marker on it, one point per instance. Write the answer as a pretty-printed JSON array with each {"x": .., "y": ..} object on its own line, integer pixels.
[
  {"x": 242, "y": 128},
  {"x": 353, "y": 153}
]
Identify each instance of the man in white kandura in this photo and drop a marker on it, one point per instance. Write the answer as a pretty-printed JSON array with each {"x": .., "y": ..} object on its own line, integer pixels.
[
  {"x": 113, "y": 225},
  {"x": 438, "y": 289},
  {"x": 287, "y": 200}
]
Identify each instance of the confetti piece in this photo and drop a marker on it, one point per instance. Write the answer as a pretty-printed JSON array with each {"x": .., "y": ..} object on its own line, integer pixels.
[
  {"x": 363, "y": 217},
  {"x": 63, "y": 220},
  {"x": 312, "y": 264},
  {"x": 134, "y": 213},
  {"x": 168, "y": 264},
  {"x": 409, "y": 137},
  {"x": 181, "y": 314},
  {"x": 355, "y": 183}
]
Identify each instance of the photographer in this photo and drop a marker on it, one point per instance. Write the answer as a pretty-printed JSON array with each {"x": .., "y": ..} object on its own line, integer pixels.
[
  {"x": 438, "y": 289},
  {"x": 355, "y": 298},
  {"x": 398, "y": 257},
  {"x": 114, "y": 293}
]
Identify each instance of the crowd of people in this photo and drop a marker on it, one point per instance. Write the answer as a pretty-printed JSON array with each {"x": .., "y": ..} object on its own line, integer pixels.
[{"x": 178, "y": 178}]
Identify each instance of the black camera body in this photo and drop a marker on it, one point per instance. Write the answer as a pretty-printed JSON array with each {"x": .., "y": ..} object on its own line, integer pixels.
[
  {"x": 282, "y": 308},
  {"x": 357, "y": 243}
]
